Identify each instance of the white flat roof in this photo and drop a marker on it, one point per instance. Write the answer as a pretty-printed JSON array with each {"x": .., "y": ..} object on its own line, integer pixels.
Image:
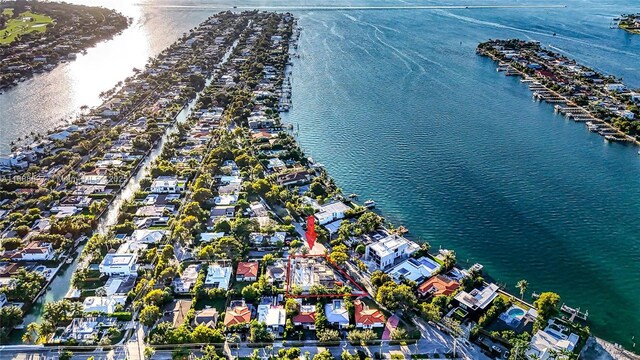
[
  {"x": 389, "y": 244},
  {"x": 414, "y": 269},
  {"x": 118, "y": 259},
  {"x": 478, "y": 299}
]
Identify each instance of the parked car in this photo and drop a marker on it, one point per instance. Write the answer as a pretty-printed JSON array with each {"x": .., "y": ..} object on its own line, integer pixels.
[{"x": 496, "y": 349}]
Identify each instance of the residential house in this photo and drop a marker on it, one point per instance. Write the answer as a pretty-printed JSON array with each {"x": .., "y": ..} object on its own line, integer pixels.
[
  {"x": 103, "y": 304},
  {"x": 277, "y": 272},
  {"x": 119, "y": 264},
  {"x": 155, "y": 210},
  {"x": 274, "y": 317},
  {"x": 614, "y": 87},
  {"x": 296, "y": 177},
  {"x": 149, "y": 221},
  {"x": 438, "y": 285},
  {"x": 42, "y": 225},
  {"x": 176, "y": 312},
  {"x": 8, "y": 269},
  {"x": 225, "y": 200},
  {"x": 187, "y": 279},
  {"x": 258, "y": 209},
  {"x": 331, "y": 212},
  {"x": 218, "y": 276},
  {"x": 385, "y": 252},
  {"x": 247, "y": 271},
  {"x": 35, "y": 251},
  {"x": 545, "y": 344},
  {"x": 209, "y": 237},
  {"x": 148, "y": 236},
  {"x": 277, "y": 237},
  {"x": 167, "y": 185},
  {"x": 64, "y": 211},
  {"x": 237, "y": 314},
  {"x": 477, "y": 299},
  {"x": 119, "y": 285},
  {"x": 307, "y": 272},
  {"x": 87, "y": 330},
  {"x": 367, "y": 318},
  {"x": 207, "y": 317},
  {"x": 414, "y": 269},
  {"x": 337, "y": 314},
  {"x": 306, "y": 317}
]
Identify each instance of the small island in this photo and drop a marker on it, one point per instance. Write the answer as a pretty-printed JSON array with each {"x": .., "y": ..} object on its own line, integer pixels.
[
  {"x": 36, "y": 36},
  {"x": 605, "y": 104},
  {"x": 630, "y": 23}
]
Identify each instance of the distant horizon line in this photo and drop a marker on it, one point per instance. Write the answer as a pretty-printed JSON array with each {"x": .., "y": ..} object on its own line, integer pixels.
[{"x": 333, "y": 8}]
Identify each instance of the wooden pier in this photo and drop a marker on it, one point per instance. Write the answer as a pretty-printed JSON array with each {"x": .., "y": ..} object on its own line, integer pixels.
[{"x": 574, "y": 313}]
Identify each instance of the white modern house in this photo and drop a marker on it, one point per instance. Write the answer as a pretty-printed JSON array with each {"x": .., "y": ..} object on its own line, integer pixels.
[
  {"x": 148, "y": 236},
  {"x": 385, "y": 252},
  {"x": 119, "y": 264},
  {"x": 167, "y": 185},
  {"x": 412, "y": 269},
  {"x": 103, "y": 304},
  {"x": 337, "y": 314},
  {"x": 477, "y": 299},
  {"x": 545, "y": 344},
  {"x": 274, "y": 317},
  {"x": 218, "y": 276},
  {"x": 330, "y": 212}
]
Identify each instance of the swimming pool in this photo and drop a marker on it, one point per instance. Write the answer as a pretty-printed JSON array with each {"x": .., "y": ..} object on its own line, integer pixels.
[
  {"x": 513, "y": 316},
  {"x": 516, "y": 312}
]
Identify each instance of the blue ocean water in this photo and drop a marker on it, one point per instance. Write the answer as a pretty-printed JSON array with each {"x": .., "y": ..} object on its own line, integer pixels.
[{"x": 400, "y": 109}]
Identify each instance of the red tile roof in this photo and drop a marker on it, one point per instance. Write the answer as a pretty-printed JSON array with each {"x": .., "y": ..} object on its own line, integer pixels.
[
  {"x": 438, "y": 285},
  {"x": 367, "y": 316},
  {"x": 237, "y": 315},
  {"x": 305, "y": 318},
  {"x": 247, "y": 269}
]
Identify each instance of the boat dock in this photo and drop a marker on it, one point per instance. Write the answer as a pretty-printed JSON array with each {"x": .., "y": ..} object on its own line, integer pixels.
[
  {"x": 574, "y": 313},
  {"x": 285, "y": 96}
]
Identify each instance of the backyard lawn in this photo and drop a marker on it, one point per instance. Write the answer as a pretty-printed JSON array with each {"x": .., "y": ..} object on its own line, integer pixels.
[
  {"x": 27, "y": 22},
  {"x": 218, "y": 304}
]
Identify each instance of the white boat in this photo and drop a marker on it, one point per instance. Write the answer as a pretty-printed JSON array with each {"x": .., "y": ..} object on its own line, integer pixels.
[{"x": 370, "y": 204}]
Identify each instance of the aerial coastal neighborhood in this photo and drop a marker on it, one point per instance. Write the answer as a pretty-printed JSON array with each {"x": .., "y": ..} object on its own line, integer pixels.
[
  {"x": 199, "y": 222},
  {"x": 37, "y": 36}
]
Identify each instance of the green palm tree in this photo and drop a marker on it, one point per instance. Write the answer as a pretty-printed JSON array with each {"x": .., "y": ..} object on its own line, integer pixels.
[
  {"x": 31, "y": 336},
  {"x": 449, "y": 260},
  {"x": 522, "y": 286}
]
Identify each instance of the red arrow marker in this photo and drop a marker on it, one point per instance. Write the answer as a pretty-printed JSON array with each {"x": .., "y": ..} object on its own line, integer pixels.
[{"x": 311, "y": 231}]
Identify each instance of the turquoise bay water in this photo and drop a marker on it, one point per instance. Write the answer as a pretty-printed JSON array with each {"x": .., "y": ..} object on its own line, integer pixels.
[{"x": 399, "y": 108}]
